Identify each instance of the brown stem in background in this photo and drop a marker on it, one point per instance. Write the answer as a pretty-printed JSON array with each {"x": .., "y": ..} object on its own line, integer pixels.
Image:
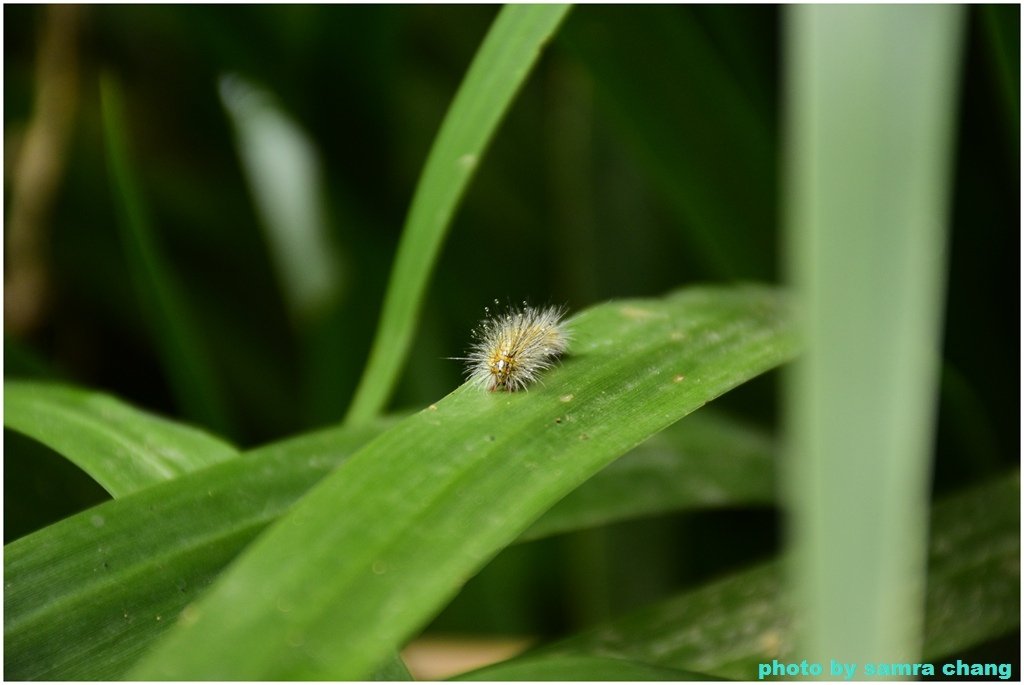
[{"x": 38, "y": 168}]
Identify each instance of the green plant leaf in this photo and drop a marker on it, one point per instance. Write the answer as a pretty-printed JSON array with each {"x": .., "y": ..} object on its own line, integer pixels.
[
  {"x": 85, "y": 596},
  {"x": 722, "y": 628},
  {"x": 569, "y": 667},
  {"x": 273, "y": 477},
  {"x": 283, "y": 170},
  {"x": 706, "y": 461},
  {"x": 184, "y": 355},
  {"x": 501, "y": 66},
  {"x": 371, "y": 553},
  {"x": 727, "y": 627},
  {"x": 393, "y": 669},
  {"x": 124, "y": 449},
  {"x": 1001, "y": 26},
  {"x": 973, "y": 568}
]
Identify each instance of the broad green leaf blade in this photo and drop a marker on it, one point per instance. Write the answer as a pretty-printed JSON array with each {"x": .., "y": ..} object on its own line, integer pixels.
[
  {"x": 501, "y": 66},
  {"x": 85, "y": 596},
  {"x": 371, "y": 553},
  {"x": 569, "y": 667},
  {"x": 706, "y": 461},
  {"x": 185, "y": 357},
  {"x": 727, "y": 627},
  {"x": 124, "y": 449},
  {"x": 275, "y": 476}
]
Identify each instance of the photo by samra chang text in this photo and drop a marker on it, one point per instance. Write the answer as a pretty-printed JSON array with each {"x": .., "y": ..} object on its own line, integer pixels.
[{"x": 840, "y": 670}]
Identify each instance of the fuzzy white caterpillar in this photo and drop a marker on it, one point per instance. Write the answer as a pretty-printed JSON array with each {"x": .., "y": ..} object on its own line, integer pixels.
[{"x": 511, "y": 350}]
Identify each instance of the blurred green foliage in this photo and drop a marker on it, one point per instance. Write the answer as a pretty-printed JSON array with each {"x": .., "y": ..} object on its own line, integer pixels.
[{"x": 641, "y": 155}]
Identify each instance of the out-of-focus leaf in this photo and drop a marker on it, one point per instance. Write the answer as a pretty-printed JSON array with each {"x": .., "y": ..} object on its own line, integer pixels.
[
  {"x": 727, "y": 627},
  {"x": 283, "y": 171},
  {"x": 124, "y": 449},
  {"x": 376, "y": 548},
  {"x": 973, "y": 568},
  {"x": 706, "y": 461},
  {"x": 1002, "y": 32},
  {"x": 569, "y": 667},
  {"x": 392, "y": 670}
]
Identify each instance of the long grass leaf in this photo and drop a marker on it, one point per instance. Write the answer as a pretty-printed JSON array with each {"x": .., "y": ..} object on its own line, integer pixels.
[
  {"x": 122, "y": 448},
  {"x": 501, "y": 66}
]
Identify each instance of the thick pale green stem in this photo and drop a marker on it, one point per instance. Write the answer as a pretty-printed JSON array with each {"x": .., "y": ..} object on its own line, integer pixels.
[{"x": 870, "y": 110}]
